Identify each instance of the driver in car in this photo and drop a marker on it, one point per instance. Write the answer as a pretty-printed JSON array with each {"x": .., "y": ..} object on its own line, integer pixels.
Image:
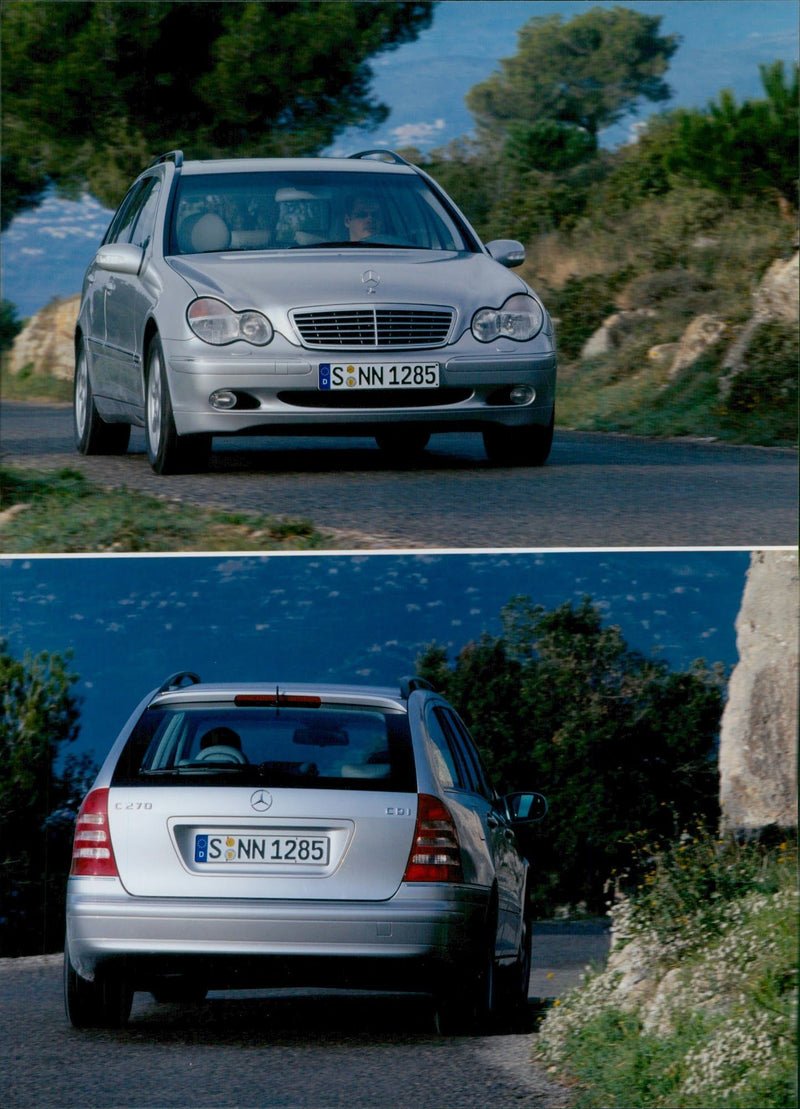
[{"x": 362, "y": 218}]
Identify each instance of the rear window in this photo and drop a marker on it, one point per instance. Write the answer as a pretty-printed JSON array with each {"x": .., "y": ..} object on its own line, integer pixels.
[
  {"x": 291, "y": 210},
  {"x": 325, "y": 747}
]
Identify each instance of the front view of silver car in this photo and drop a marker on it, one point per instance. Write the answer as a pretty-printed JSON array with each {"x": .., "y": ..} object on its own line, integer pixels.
[{"x": 315, "y": 296}]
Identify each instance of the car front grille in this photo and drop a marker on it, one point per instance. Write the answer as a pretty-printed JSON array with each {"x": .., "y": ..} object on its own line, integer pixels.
[{"x": 374, "y": 327}]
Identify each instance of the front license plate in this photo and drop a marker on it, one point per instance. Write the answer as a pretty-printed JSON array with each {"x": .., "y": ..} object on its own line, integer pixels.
[
  {"x": 286, "y": 850},
  {"x": 379, "y": 375}
]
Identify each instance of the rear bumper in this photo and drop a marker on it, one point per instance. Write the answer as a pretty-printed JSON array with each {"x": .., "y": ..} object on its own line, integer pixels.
[{"x": 430, "y": 929}]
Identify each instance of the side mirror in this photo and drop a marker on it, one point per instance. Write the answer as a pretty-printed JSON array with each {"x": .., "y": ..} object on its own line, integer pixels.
[
  {"x": 525, "y": 808},
  {"x": 120, "y": 258},
  {"x": 508, "y": 252}
]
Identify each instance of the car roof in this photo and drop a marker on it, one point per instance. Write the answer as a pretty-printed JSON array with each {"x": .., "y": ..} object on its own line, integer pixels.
[
  {"x": 376, "y": 696},
  {"x": 264, "y": 165}
]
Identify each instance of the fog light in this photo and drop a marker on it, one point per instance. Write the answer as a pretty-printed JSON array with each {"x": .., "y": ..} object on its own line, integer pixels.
[
  {"x": 522, "y": 394},
  {"x": 222, "y": 399}
]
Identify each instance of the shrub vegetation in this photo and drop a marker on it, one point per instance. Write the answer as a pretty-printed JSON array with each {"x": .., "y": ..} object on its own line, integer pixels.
[
  {"x": 714, "y": 925},
  {"x": 685, "y": 221},
  {"x": 616, "y": 741}
]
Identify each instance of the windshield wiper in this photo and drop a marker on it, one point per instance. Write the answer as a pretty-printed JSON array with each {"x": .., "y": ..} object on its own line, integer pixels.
[
  {"x": 197, "y": 768},
  {"x": 364, "y": 243}
]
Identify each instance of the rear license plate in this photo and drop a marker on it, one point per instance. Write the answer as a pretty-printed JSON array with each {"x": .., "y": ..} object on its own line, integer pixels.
[
  {"x": 379, "y": 375},
  {"x": 236, "y": 848}
]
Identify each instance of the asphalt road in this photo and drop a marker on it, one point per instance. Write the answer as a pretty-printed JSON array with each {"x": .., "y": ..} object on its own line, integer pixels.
[
  {"x": 300, "y": 1049},
  {"x": 596, "y": 490}
]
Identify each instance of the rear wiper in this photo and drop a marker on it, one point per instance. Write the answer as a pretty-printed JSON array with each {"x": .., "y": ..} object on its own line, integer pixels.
[{"x": 197, "y": 768}]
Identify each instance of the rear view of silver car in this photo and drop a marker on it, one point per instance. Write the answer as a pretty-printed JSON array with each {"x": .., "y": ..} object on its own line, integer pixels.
[{"x": 258, "y": 836}]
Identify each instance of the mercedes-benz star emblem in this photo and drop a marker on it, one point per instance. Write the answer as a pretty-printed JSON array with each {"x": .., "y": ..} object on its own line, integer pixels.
[
  {"x": 371, "y": 280},
  {"x": 261, "y": 800}
]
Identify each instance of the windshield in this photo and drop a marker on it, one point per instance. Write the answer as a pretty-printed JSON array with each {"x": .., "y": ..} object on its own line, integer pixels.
[
  {"x": 295, "y": 210},
  {"x": 339, "y": 747}
]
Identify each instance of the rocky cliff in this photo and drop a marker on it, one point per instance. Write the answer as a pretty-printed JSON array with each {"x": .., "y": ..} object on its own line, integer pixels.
[
  {"x": 758, "y": 744},
  {"x": 47, "y": 342}
]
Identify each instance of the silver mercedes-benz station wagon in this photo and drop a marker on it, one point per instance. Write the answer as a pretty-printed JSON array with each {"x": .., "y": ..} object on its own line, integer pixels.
[
  {"x": 255, "y": 836},
  {"x": 317, "y": 296}
]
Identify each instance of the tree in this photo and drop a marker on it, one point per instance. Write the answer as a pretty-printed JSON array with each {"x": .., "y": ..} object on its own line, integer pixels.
[
  {"x": 38, "y": 803},
  {"x": 88, "y": 87},
  {"x": 742, "y": 150},
  {"x": 618, "y": 742},
  {"x": 10, "y": 324},
  {"x": 585, "y": 74}
]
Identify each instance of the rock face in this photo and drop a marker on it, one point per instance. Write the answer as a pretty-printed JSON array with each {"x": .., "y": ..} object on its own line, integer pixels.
[
  {"x": 47, "y": 342},
  {"x": 758, "y": 744},
  {"x": 703, "y": 332},
  {"x": 609, "y": 335},
  {"x": 776, "y": 298}
]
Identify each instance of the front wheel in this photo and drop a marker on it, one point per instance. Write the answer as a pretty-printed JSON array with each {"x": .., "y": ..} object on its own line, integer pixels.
[
  {"x": 519, "y": 446},
  {"x": 514, "y": 993},
  {"x": 168, "y": 452},
  {"x": 92, "y": 434},
  {"x": 104, "y": 1003}
]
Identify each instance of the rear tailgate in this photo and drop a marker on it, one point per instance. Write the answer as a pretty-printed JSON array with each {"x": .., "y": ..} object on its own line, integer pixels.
[{"x": 240, "y": 842}]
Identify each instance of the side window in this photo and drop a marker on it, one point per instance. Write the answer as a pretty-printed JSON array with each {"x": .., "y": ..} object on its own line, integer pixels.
[
  {"x": 446, "y": 766},
  {"x": 123, "y": 223},
  {"x": 146, "y": 219},
  {"x": 112, "y": 235},
  {"x": 471, "y": 756}
]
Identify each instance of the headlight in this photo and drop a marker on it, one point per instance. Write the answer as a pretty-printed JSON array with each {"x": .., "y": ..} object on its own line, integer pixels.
[
  {"x": 214, "y": 322},
  {"x": 520, "y": 318}
]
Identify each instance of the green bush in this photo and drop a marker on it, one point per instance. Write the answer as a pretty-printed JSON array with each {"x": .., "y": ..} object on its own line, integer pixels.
[
  {"x": 762, "y": 401},
  {"x": 580, "y": 307},
  {"x": 10, "y": 325},
  {"x": 712, "y": 1021}
]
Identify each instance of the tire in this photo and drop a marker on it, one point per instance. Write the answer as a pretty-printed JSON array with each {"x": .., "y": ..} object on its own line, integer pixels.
[
  {"x": 92, "y": 434},
  {"x": 519, "y": 446},
  {"x": 467, "y": 1005},
  {"x": 402, "y": 444},
  {"x": 168, "y": 452},
  {"x": 103, "y": 1003},
  {"x": 514, "y": 992}
]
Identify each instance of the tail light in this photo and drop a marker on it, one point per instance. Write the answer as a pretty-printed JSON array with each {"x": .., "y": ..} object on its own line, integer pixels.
[
  {"x": 435, "y": 854},
  {"x": 92, "y": 852}
]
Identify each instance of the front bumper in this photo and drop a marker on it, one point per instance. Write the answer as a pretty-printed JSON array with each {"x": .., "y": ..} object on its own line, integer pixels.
[
  {"x": 429, "y": 929},
  {"x": 282, "y": 395}
]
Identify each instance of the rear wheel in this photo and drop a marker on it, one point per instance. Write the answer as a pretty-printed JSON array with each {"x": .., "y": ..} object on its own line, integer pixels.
[
  {"x": 102, "y": 1003},
  {"x": 168, "y": 452},
  {"x": 92, "y": 434},
  {"x": 519, "y": 446},
  {"x": 468, "y": 1003}
]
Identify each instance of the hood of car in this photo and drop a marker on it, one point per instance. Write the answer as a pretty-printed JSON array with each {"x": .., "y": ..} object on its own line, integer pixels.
[{"x": 314, "y": 277}]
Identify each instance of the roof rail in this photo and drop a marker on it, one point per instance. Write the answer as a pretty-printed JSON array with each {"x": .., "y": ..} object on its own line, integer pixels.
[
  {"x": 175, "y": 156},
  {"x": 408, "y": 685},
  {"x": 386, "y": 155},
  {"x": 175, "y": 681}
]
